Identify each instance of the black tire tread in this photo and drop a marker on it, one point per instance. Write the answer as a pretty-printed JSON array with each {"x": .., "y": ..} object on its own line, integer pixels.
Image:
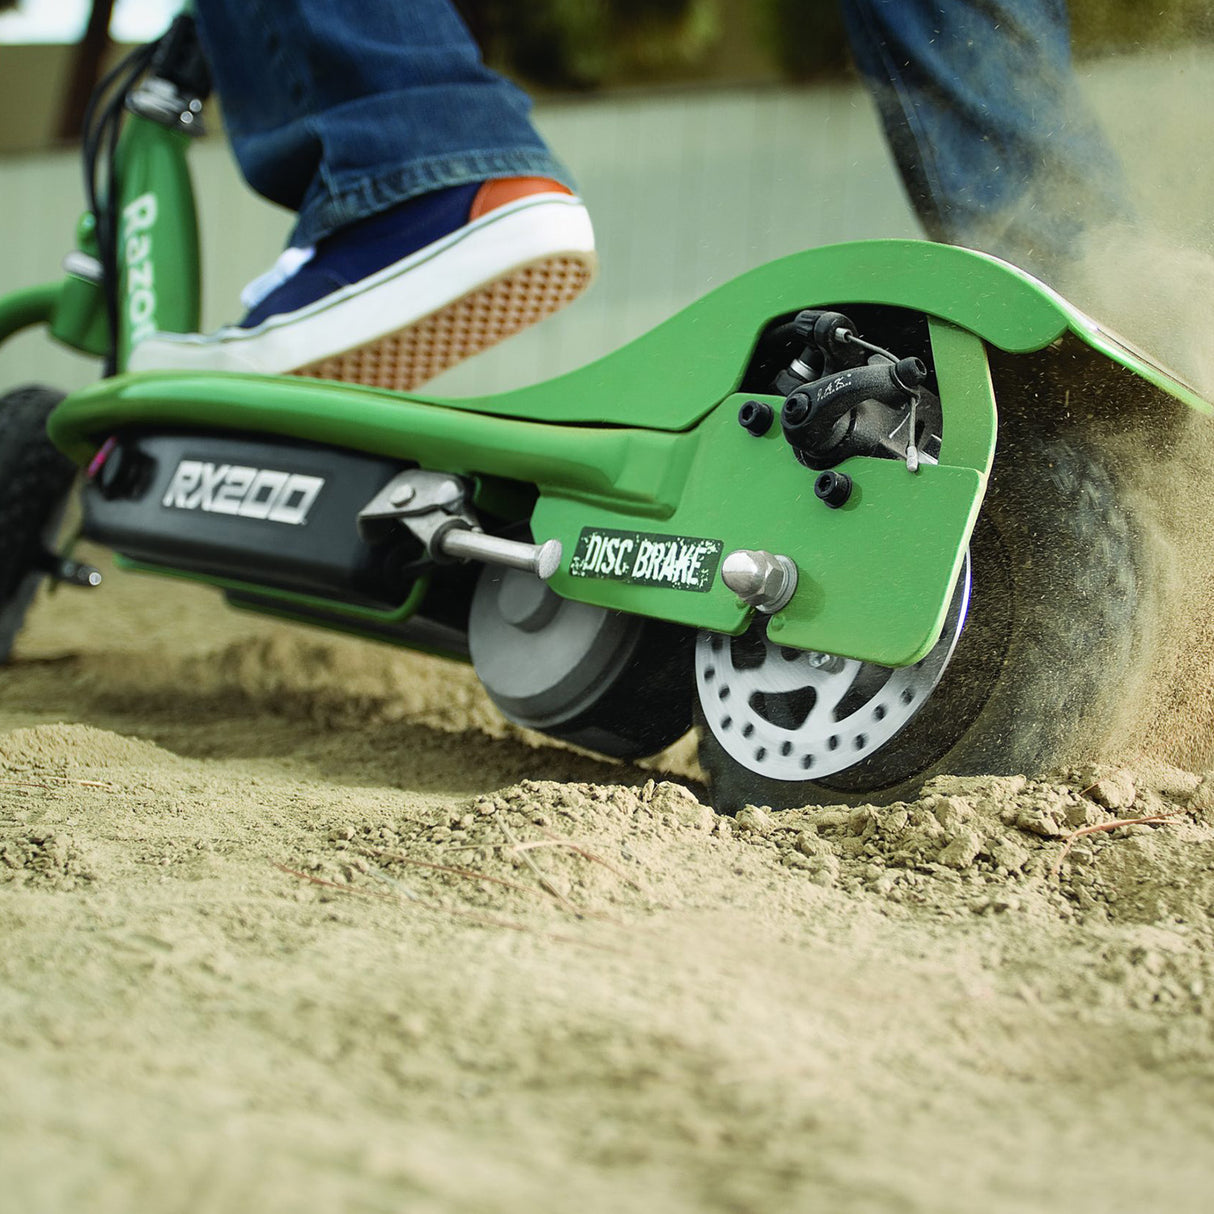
[
  {"x": 35, "y": 478},
  {"x": 1039, "y": 661}
]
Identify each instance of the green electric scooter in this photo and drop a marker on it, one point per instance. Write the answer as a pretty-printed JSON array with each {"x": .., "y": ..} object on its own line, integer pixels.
[{"x": 788, "y": 516}]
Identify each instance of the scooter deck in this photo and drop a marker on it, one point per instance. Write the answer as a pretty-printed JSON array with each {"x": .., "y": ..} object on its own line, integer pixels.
[{"x": 643, "y": 445}]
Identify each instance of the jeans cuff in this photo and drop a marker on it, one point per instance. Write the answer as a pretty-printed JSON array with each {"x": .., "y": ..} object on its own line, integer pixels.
[{"x": 338, "y": 203}]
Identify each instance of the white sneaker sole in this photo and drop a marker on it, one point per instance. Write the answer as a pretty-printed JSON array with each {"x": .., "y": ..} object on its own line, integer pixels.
[{"x": 418, "y": 317}]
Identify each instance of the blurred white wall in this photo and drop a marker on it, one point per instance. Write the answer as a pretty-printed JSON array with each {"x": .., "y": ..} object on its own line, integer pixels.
[{"x": 686, "y": 189}]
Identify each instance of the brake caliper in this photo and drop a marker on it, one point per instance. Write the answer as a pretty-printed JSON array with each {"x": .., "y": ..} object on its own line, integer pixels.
[{"x": 845, "y": 396}]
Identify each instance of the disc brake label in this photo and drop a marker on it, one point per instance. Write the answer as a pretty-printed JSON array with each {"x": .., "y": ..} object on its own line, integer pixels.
[{"x": 642, "y": 558}]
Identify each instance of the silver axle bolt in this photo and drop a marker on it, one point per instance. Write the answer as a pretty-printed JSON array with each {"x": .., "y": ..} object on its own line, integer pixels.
[
  {"x": 463, "y": 544},
  {"x": 762, "y": 579}
]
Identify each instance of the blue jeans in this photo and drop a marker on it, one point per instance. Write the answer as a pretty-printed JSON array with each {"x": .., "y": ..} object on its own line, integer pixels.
[
  {"x": 339, "y": 109},
  {"x": 342, "y": 108},
  {"x": 996, "y": 147}
]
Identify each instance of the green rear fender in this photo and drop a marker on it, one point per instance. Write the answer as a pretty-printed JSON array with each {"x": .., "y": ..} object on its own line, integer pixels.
[{"x": 670, "y": 376}]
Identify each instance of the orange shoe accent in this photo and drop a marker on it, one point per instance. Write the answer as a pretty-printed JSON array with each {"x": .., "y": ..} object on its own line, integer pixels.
[{"x": 499, "y": 192}]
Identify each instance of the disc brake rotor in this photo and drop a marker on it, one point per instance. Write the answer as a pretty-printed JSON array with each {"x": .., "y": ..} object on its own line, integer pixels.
[{"x": 791, "y": 714}]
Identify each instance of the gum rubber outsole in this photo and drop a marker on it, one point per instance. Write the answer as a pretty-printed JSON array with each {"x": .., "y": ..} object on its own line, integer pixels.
[{"x": 402, "y": 360}]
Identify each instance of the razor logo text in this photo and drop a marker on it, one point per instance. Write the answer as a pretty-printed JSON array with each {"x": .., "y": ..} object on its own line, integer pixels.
[
  {"x": 236, "y": 489},
  {"x": 138, "y": 217}
]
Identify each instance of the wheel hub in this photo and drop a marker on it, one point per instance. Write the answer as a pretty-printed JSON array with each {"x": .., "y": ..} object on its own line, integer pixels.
[{"x": 790, "y": 714}]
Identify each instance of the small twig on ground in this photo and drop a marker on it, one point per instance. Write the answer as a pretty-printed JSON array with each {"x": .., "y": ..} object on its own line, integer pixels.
[
  {"x": 520, "y": 846},
  {"x": 473, "y": 874},
  {"x": 559, "y": 841},
  {"x": 555, "y": 840},
  {"x": 544, "y": 880},
  {"x": 400, "y": 886},
  {"x": 335, "y": 885},
  {"x": 1069, "y": 841}
]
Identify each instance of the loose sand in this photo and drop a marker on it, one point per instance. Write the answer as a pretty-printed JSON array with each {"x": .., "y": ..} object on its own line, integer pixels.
[{"x": 292, "y": 922}]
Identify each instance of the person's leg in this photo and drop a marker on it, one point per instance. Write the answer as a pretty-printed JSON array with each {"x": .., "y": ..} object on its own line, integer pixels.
[
  {"x": 995, "y": 144},
  {"x": 433, "y": 219},
  {"x": 340, "y": 110}
]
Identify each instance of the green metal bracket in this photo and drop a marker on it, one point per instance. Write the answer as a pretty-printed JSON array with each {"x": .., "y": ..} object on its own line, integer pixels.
[
  {"x": 875, "y": 576},
  {"x": 32, "y": 306}
]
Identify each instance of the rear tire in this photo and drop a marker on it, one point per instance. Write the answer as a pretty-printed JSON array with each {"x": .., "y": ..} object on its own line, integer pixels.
[
  {"x": 1049, "y": 635},
  {"x": 35, "y": 478},
  {"x": 611, "y": 682}
]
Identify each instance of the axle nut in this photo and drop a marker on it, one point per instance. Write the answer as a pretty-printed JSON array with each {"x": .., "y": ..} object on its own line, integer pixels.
[
  {"x": 834, "y": 488},
  {"x": 762, "y": 580}
]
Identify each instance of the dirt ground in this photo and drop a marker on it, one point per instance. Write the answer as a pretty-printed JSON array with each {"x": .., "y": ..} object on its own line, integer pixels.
[{"x": 297, "y": 922}]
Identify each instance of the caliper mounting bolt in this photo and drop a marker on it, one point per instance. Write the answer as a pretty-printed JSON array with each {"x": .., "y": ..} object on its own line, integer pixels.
[
  {"x": 755, "y": 417},
  {"x": 796, "y": 409},
  {"x": 834, "y": 488}
]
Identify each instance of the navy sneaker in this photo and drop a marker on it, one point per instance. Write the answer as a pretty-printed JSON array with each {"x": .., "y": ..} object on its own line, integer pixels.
[{"x": 393, "y": 300}]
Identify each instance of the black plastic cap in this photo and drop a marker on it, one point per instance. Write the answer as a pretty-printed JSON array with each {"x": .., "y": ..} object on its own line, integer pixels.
[
  {"x": 834, "y": 488},
  {"x": 755, "y": 417}
]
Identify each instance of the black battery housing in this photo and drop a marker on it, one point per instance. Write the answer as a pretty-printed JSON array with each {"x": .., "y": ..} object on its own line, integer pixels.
[{"x": 256, "y": 511}]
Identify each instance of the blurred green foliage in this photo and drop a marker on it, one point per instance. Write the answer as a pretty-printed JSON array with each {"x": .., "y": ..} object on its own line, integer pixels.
[
  {"x": 805, "y": 38},
  {"x": 584, "y": 44},
  {"x": 1121, "y": 25}
]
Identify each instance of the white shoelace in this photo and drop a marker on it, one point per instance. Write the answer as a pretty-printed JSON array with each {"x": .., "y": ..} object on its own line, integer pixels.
[{"x": 287, "y": 266}]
